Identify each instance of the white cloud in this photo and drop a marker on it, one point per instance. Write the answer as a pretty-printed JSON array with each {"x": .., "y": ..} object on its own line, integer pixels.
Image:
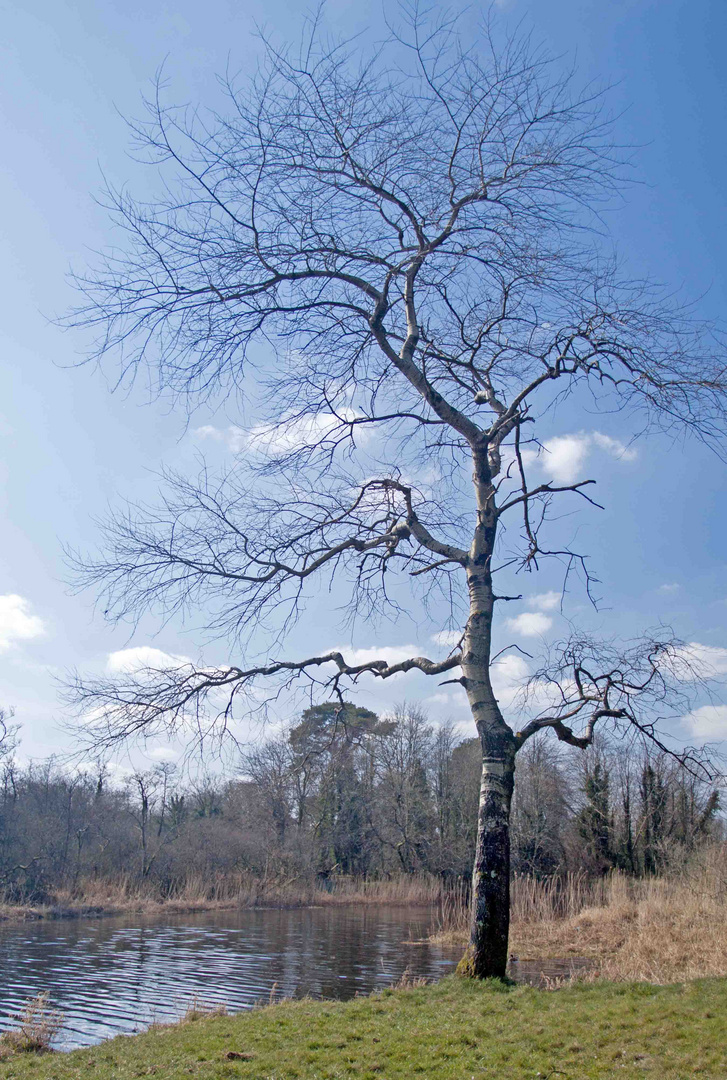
[
  {"x": 234, "y": 438},
  {"x": 708, "y": 722},
  {"x": 141, "y": 658},
  {"x": 392, "y": 654},
  {"x": 563, "y": 457},
  {"x": 443, "y": 698},
  {"x": 162, "y": 753},
  {"x": 119, "y": 772},
  {"x": 287, "y": 435},
  {"x": 530, "y": 623},
  {"x": 450, "y": 638},
  {"x": 509, "y": 673},
  {"x": 668, "y": 588},
  {"x": 547, "y": 601},
  {"x": 510, "y": 668},
  {"x": 614, "y": 447},
  {"x": 543, "y": 696},
  {"x": 701, "y": 661},
  {"x": 16, "y": 622},
  {"x": 297, "y": 432}
]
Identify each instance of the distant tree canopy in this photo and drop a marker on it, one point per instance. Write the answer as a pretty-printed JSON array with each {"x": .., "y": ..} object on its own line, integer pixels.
[{"x": 378, "y": 798}]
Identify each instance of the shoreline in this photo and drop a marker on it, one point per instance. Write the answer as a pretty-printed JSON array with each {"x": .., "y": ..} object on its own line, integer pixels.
[
  {"x": 56, "y": 912},
  {"x": 100, "y": 909},
  {"x": 653, "y": 930}
]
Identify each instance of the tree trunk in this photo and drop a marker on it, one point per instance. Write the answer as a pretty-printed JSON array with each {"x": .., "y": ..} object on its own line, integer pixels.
[{"x": 486, "y": 956}]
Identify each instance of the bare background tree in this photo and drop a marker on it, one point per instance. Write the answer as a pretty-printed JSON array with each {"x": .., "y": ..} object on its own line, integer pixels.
[
  {"x": 8, "y": 734},
  {"x": 402, "y": 255}
]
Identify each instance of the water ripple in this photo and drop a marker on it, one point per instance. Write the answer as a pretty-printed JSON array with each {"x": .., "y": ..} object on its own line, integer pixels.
[{"x": 118, "y": 975}]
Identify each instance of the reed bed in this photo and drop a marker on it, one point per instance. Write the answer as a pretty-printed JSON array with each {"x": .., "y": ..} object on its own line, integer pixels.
[
  {"x": 128, "y": 895},
  {"x": 533, "y": 901},
  {"x": 655, "y": 929}
]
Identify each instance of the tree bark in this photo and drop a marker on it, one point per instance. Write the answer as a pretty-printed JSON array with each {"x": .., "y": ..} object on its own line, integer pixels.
[{"x": 486, "y": 956}]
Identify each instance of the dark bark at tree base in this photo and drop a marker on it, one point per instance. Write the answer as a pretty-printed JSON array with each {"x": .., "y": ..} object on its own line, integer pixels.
[{"x": 487, "y": 954}]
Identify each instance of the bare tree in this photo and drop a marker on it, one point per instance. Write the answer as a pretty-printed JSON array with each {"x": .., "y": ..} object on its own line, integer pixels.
[
  {"x": 148, "y": 807},
  {"x": 414, "y": 239},
  {"x": 8, "y": 734},
  {"x": 539, "y": 809}
]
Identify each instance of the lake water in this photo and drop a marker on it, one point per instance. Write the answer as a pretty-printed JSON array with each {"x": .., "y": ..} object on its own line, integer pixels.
[{"x": 116, "y": 975}]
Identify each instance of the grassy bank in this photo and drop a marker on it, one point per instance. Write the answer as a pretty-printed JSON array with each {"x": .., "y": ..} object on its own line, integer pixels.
[
  {"x": 94, "y": 899},
  {"x": 457, "y": 1029}
]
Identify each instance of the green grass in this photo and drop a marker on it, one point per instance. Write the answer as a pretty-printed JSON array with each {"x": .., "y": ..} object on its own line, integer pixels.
[{"x": 456, "y": 1030}]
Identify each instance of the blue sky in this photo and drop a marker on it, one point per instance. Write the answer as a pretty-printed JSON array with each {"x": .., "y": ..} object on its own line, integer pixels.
[{"x": 69, "y": 447}]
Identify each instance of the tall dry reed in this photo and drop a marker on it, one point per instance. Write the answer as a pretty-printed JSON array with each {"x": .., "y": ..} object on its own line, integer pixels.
[
  {"x": 657, "y": 929},
  {"x": 238, "y": 890},
  {"x": 532, "y": 900},
  {"x": 36, "y": 1027}
]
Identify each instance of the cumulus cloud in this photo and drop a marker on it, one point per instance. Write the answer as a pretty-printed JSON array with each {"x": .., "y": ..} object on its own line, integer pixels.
[
  {"x": 668, "y": 588},
  {"x": 440, "y": 698},
  {"x": 563, "y": 457},
  {"x": 16, "y": 621},
  {"x": 543, "y": 696},
  {"x": 234, "y": 438},
  {"x": 708, "y": 722},
  {"x": 530, "y": 623},
  {"x": 449, "y": 638},
  {"x": 614, "y": 447},
  {"x": 296, "y": 432},
  {"x": 702, "y": 661},
  {"x": 509, "y": 673},
  {"x": 393, "y": 654},
  {"x": 142, "y": 658},
  {"x": 547, "y": 601},
  {"x": 118, "y": 772},
  {"x": 281, "y": 438}
]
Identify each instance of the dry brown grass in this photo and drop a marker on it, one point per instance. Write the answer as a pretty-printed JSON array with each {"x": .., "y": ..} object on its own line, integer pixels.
[
  {"x": 407, "y": 981},
  {"x": 37, "y": 1025},
  {"x": 197, "y": 1009},
  {"x": 657, "y": 930},
  {"x": 409, "y": 891},
  {"x": 127, "y": 896},
  {"x": 536, "y": 903}
]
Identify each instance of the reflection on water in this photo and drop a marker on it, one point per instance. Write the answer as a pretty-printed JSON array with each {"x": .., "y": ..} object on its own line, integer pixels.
[{"x": 115, "y": 975}]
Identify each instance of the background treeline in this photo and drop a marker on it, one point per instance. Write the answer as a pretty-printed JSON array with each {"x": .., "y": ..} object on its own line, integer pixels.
[{"x": 342, "y": 793}]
